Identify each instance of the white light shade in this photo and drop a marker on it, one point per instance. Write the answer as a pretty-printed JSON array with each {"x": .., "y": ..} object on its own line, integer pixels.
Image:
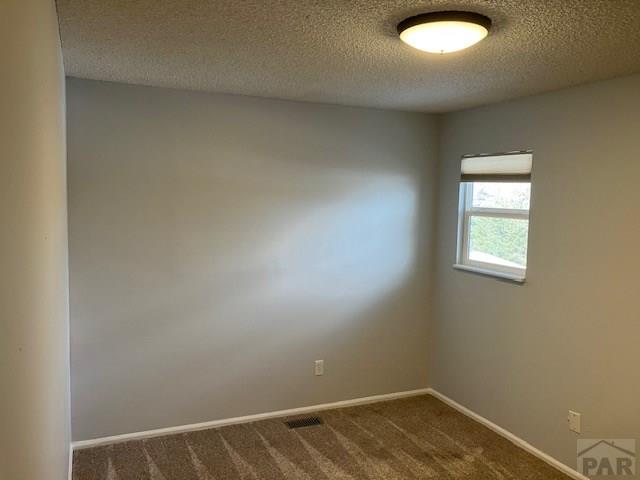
[{"x": 443, "y": 36}]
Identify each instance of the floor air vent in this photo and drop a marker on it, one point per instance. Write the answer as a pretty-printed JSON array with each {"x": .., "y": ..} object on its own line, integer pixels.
[{"x": 304, "y": 422}]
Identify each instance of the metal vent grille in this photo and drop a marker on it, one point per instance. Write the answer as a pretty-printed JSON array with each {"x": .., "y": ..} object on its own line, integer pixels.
[{"x": 304, "y": 422}]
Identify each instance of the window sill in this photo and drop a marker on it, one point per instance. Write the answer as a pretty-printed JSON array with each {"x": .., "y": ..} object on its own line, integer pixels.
[{"x": 512, "y": 277}]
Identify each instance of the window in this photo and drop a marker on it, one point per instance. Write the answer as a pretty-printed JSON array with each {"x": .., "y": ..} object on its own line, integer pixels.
[{"x": 493, "y": 223}]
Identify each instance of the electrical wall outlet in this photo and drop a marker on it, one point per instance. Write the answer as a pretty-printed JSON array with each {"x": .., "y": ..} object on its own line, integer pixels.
[
  {"x": 574, "y": 421},
  {"x": 319, "y": 367}
]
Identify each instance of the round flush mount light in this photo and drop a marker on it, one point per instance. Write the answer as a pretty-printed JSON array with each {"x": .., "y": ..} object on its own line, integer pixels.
[{"x": 444, "y": 32}]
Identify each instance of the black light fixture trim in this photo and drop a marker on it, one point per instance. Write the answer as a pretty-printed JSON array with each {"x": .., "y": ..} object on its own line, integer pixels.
[{"x": 446, "y": 16}]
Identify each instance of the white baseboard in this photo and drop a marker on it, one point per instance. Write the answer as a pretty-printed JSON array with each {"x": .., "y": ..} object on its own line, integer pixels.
[
  {"x": 96, "y": 442},
  {"x": 328, "y": 406},
  {"x": 557, "y": 464}
]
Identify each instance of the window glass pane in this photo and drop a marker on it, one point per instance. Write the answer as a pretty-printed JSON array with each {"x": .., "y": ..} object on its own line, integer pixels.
[
  {"x": 502, "y": 241},
  {"x": 501, "y": 195}
]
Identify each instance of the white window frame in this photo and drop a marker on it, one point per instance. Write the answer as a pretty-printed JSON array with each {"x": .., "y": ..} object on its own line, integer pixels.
[{"x": 466, "y": 210}]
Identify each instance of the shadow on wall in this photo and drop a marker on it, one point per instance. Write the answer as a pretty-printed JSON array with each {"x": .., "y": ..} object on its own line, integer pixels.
[{"x": 211, "y": 325}]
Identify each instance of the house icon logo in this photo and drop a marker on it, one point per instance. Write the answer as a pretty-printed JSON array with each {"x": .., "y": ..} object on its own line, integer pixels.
[{"x": 607, "y": 457}]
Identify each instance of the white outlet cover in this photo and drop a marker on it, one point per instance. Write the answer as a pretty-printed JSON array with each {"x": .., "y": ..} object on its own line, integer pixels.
[
  {"x": 319, "y": 367},
  {"x": 575, "y": 422}
]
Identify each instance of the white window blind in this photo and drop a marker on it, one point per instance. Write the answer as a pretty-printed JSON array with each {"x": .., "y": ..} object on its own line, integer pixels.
[{"x": 514, "y": 167}]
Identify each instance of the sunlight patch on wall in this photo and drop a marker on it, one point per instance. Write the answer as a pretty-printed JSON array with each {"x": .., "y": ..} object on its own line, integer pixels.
[{"x": 352, "y": 250}]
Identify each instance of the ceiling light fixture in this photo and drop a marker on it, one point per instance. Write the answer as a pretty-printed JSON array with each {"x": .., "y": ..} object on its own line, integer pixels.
[{"x": 444, "y": 32}]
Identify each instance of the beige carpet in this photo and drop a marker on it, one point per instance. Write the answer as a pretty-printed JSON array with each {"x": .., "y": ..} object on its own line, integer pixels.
[{"x": 412, "y": 438}]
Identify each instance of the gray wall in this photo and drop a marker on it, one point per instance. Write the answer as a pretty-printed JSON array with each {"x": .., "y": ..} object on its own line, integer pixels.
[
  {"x": 522, "y": 356},
  {"x": 220, "y": 244},
  {"x": 34, "y": 333}
]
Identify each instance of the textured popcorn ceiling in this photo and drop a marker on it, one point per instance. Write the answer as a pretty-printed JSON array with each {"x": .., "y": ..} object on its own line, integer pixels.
[{"x": 347, "y": 51}]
